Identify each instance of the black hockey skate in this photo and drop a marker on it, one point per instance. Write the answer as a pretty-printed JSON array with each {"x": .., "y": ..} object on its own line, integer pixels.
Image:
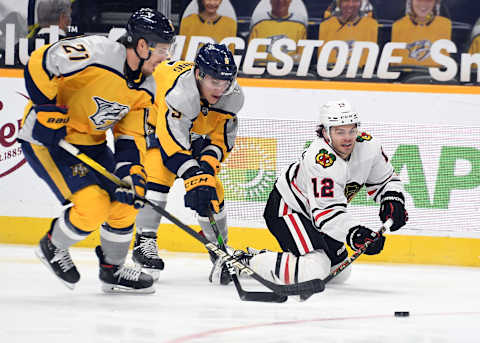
[
  {"x": 145, "y": 254},
  {"x": 219, "y": 273},
  {"x": 57, "y": 260},
  {"x": 122, "y": 279}
]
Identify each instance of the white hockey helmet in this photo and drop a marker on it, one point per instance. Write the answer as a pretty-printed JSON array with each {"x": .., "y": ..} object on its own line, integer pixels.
[{"x": 336, "y": 113}]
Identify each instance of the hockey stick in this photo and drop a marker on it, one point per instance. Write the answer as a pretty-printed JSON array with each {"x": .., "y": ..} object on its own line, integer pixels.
[
  {"x": 306, "y": 287},
  {"x": 359, "y": 252},
  {"x": 354, "y": 256},
  {"x": 244, "y": 295}
]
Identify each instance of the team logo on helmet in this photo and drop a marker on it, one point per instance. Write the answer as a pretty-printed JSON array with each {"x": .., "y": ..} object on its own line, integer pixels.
[
  {"x": 108, "y": 113},
  {"x": 351, "y": 189},
  {"x": 364, "y": 137},
  {"x": 325, "y": 159}
]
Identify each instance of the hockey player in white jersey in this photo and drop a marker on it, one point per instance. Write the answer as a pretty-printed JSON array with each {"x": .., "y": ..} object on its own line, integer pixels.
[{"x": 307, "y": 208}]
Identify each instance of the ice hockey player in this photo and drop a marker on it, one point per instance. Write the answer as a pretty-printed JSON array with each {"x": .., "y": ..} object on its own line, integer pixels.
[
  {"x": 307, "y": 208},
  {"x": 195, "y": 130},
  {"x": 79, "y": 89}
]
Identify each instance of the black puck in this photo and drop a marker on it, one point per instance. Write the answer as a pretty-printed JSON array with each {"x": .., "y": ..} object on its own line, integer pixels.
[{"x": 402, "y": 314}]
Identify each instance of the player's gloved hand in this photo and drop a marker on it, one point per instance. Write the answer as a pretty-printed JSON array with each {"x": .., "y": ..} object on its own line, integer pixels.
[
  {"x": 209, "y": 164},
  {"x": 50, "y": 126},
  {"x": 201, "y": 193},
  {"x": 135, "y": 176},
  {"x": 392, "y": 205},
  {"x": 359, "y": 235}
]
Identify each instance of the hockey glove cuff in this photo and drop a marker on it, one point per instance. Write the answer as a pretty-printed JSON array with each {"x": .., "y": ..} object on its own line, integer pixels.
[
  {"x": 50, "y": 126},
  {"x": 392, "y": 205},
  {"x": 210, "y": 164}
]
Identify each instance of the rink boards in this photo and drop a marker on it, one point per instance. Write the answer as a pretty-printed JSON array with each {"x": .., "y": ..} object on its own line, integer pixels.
[{"x": 431, "y": 134}]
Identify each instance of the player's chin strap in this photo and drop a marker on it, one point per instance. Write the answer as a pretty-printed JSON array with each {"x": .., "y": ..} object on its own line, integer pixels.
[{"x": 282, "y": 291}]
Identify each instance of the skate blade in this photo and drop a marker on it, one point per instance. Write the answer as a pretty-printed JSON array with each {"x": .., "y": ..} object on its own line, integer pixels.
[
  {"x": 109, "y": 288},
  {"x": 43, "y": 259}
]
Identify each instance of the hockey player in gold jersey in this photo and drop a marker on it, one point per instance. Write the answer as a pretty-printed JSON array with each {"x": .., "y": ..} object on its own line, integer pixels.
[
  {"x": 207, "y": 23},
  {"x": 79, "y": 89},
  {"x": 420, "y": 28},
  {"x": 194, "y": 131},
  {"x": 350, "y": 24},
  {"x": 277, "y": 24}
]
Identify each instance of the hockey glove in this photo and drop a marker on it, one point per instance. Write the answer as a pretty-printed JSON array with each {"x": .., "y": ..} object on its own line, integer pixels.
[
  {"x": 359, "y": 235},
  {"x": 136, "y": 177},
  {"x": 392, "y": 205},
  {"x": 50, "y": 126},
  {"x": 201, "y": 194},
  {"x": 209, "y": 164}
]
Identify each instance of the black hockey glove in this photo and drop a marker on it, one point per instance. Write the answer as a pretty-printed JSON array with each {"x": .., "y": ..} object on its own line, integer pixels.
[
  {"x": 359, "y": 235},
  {"x": 201, "y": 193},
  {"x": 392, "y": 205}
]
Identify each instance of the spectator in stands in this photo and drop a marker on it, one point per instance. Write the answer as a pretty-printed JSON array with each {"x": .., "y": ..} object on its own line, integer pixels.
[
  {"x": 280, "y": 20},
  {"x": 207, "y": 22},
  {"x": 420, "y": 28},
  {"x": 475, "y": 39},
  {"x": 49, "y": 12},
  {"x": 349, "y": 21}
]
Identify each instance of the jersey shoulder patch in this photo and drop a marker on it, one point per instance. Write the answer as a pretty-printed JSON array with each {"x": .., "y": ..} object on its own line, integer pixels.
[
  {"x": 325, "y": 158},
  {"x": 363, "y": 137}
]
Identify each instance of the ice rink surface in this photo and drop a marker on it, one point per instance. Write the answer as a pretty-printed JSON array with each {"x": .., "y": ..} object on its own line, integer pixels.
[{"x": 444, "y": 306}]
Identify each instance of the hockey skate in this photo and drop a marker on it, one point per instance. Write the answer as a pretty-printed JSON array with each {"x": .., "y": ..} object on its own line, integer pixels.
[
  {"x": 220, "y": 274},
  {"x": 145, "y": 254},
  {"x": 122, "y": 279},
  {"x": 58, "y": 261}
]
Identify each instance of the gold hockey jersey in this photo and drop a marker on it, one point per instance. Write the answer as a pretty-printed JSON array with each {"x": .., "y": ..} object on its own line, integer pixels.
[
  {"x": 475, "y": 45},
  {"x": 181, "y": 115},
  {"x": 419, "y": 38},
  {"x": 365, "y": 29},
  {"x": 86, "y": 75},
  {"x": 277, "y": 29},
  {"x": 194, "y": 25}
]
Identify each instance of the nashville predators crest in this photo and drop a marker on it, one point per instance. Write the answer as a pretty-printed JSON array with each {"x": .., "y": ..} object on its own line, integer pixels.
[
  {"x": 419, "y": 50},
  {"x": 324, "y": 158},
  {"x": 107, "y": 114},
  {"x": 363, "y": 137}
]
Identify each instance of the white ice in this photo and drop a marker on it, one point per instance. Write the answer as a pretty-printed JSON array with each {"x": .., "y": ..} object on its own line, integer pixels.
[{"x": 444, "y": 306}]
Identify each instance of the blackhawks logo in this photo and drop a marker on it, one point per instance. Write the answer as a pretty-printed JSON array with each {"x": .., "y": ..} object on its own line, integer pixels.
[
  {"x": 324, "y": 158},
  {"x": 363, "y": 137},
  {"x": 351, "y": 189}
]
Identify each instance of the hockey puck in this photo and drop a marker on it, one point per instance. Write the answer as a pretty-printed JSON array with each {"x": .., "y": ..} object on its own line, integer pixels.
[{"x": 402, "y": 314}]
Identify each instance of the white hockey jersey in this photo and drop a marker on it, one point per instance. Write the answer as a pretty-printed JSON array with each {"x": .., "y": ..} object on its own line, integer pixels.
[{"x": 320, "y": 184}]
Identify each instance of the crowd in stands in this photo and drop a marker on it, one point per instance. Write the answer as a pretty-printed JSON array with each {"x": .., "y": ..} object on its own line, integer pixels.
[{"x": 418, "y": 23}]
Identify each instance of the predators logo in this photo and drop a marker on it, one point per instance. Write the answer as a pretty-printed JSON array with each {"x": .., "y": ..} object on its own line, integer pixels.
[
  {"x": 351, "y": 189},
  {"x": 419, "y": 50},
  {"x": 108, "y": 113},
  {"x": 363, "y": 137},
  {"x": 324, "y": 158}
]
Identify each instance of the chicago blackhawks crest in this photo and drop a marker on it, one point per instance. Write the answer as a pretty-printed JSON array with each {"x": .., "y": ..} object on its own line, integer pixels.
[
  {"x": 364, "y": 137},
  {"x": 324, "y": 158}
]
